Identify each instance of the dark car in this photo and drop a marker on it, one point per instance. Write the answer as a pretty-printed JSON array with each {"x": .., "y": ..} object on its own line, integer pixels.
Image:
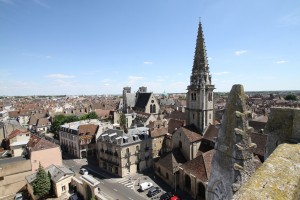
[
  {"x": 73, "y": 197},
  {"x": 166, "y": 196},
  {"x": 153, "y": 191}
]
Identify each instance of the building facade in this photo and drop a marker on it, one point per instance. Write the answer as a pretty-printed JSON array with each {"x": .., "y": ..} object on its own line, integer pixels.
[
  {"x": 124, "y": 153},
  {"x": 78, "y": 138}
]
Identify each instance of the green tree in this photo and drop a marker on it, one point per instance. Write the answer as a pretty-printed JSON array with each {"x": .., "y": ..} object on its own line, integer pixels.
[
  {"x": 92, "y": 115},
  {"x": 51, "y": 191},
  {"x": 60, "y": 120},
  {"x": 291, "y": 97},
  {"x": 93, "y": 198},
  {"x": 41, "y": 184},
  {"x": 123, "y": 121}
]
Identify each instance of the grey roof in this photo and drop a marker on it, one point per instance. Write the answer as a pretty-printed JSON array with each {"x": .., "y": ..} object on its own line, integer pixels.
[
  {"x": 57, "y": 172},
  {"x": 121, "y": 138}
]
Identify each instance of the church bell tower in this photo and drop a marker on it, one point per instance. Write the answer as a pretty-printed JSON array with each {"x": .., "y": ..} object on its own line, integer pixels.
[{"x": 200, "y": 107}]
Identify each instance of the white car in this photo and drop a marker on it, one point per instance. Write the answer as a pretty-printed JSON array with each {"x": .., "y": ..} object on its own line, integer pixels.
[
  {"x": 83, "y": 171},
  {"x": 145, "y": 186}
]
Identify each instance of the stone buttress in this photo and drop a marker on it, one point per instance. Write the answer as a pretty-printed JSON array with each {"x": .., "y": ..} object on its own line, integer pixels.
[{"x": 233, "y": 162}]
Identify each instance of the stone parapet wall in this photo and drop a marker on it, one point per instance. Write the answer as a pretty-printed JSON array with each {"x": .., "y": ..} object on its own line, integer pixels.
[{"x": 277, "y": 178}]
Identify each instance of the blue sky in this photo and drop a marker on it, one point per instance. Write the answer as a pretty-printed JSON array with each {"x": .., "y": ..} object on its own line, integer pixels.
[{"x": 100, "y": 46}]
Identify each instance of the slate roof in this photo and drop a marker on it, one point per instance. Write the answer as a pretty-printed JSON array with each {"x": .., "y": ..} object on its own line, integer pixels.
[
  {"x": 172, "y": 160},
  {"x": 56, "y": 172},
  {"x": 119, "y": 137},
  {"x": 142, "y": 100}
]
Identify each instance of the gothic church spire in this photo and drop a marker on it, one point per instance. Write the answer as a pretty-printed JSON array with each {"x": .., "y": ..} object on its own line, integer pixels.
[{"x": 200, "y": 71}]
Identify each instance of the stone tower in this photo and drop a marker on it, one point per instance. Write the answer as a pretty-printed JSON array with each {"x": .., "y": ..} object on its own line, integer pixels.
[
  {"x": 199, "y": 99},
  {"x": 125, "y": 91},
  {"x": 233, "y": 162}
]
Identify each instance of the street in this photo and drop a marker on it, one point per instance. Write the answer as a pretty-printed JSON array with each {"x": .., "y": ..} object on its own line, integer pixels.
[{"x": 113, "y": 188}]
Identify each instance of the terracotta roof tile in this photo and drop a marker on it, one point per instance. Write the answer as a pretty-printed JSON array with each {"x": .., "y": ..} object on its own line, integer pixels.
[
  {"x": 175, "y": 124},
  {"x": 36, "y": 143},
  {"x": 17, "y": 132},
  {"x": 260, "y": 140},
  {"x": 191, "y": 135},
  {"x": 200, "y": 166},
  {"x": 211, "y": 133},
  {"x": 172, "y": 160},
  {"x": 89, "y": 129}
]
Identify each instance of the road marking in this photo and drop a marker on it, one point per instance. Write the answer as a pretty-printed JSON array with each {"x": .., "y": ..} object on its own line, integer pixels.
[
  {"x": 115, "y": 190},
  {"x": 130, "y": 198}
]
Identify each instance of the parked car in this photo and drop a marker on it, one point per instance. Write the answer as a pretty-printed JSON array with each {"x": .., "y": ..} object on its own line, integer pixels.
[
  {"x": 145, "y": 186},
  {"x": 73, "y": 197},
  {"x": 83, "y": 171},
  {"x": 166, "y": 196},
  {"x": 153, "y": 191},
  {"x": 19, "y": 196},
  {"x": 174, "y": 198}
]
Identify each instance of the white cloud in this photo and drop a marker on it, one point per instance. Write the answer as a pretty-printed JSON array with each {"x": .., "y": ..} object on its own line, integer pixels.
[
  {"x": 60, "y": 76},
  {"x": 41, "y": 3},
  {"x": 106, "y": 80},
  {"x": 209, "y": 58},
  {"x": 291, "y": 19},
  {"x": 11, "y": 2},
  {"x": 148, "y": 63},
  {"x": 220, "y": 73},
  {"x": 134, "y": 79},
  {"x": 240, "y": 52},
  {"x": 280, "y": 62}
]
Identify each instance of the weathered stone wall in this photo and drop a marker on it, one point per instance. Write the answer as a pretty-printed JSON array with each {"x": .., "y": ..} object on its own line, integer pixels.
[
  {"x": 283, "y": 127},
  {"x": 233, "y": 162},
  {"x": 277, "y": 178}
]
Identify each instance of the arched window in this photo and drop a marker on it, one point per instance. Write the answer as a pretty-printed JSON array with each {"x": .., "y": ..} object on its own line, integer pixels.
[
  {"x": 180, "y": 144},
  {"x": 187, "y": 181},
  {"x": 201, "y": 190},
  {"x": 154, "y": 108}
]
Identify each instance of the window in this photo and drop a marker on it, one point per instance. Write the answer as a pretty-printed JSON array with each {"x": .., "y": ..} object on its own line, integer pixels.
[
  {"x": 63, "y": 188},
  {"x": 1, "y": 178},
  {"x": 210, "y": 96},
  {"x": 193, "y": 96},
  {"x": 27, "y": 134}
]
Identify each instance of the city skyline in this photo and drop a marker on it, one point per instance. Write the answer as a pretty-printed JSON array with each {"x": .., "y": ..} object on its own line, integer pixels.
[{"x": 56, "y": 48}]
